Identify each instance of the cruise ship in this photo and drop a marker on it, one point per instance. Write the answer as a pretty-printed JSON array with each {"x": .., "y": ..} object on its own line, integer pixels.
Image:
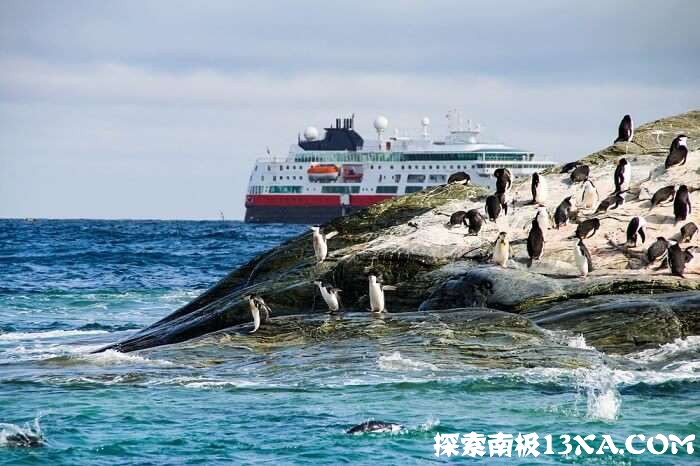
[{"x": 323, "y": 178}]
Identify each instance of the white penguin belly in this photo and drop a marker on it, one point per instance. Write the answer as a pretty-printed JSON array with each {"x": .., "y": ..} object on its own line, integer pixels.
[
  {"x": 500, "y": 254},
  {"x": 376, "y": 298}
]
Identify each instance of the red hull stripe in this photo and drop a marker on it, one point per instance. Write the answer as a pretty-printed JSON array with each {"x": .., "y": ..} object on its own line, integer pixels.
[
  {"x": 286, "y": 200},
  {"x": 366, "y": 200},
  {"x": 311, "y": 200}
]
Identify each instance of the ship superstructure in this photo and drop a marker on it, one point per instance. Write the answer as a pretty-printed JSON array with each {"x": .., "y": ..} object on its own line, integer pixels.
[{"x": 321, "y": 179}]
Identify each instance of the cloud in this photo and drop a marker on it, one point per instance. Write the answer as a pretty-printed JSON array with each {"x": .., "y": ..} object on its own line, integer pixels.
[{"x": 159, "y": 109}]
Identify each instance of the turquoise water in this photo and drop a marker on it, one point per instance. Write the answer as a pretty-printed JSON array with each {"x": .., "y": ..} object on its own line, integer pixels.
[{"x": 285, "y": 397}]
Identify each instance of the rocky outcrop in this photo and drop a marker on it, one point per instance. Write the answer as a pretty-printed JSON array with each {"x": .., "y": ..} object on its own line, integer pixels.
[{"x": 406, "y": 242}]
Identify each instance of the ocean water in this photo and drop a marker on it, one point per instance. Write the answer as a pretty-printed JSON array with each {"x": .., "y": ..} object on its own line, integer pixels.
[{"x": 285, "y": 397}]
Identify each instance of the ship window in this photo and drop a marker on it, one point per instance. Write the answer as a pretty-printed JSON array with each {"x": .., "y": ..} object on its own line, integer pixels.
[
  {"x": 451, "y": 167},
  {"x": 403, "y": 167},
  {"x": 371, "y": 167},
  {"x": 430, "y": 167},
  {"x": 413, "y": 189},
  {"x": 415, "y": 178},
  {"x": 340, "y": 189},
  {"x": 268, "y": 168},
  {"x": 387, "y": 189},
  {"x": 391, "y": 167},
  {"x": 397, "y": 178},
  {"x": 437, "y": 178},
  {"x": 274, "y": 178},
  {"x": 262, "y": 178},
  {"x": 285, "y": 189},
  {"x": 287, "y": 167},
  {"x": 409, "y": 167}
]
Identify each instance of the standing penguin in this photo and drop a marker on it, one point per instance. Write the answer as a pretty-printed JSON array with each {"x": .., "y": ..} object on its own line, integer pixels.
[
  {"x": 587, "y": 228},
  {"x": 635, "y": 229},
  {"x": 678, "y": 153},
  {"x": 657, "y": 250},
  {"x": 458, "y": 218},
  {"x": 501, "y": 249},
  {"x": 681, "y": 205},
  {"x": 459, "y": 178},
  {"x": 320, "y": 242},
  {"x": 589, "y": 198},
  {"x": 539, "y": 189},
  {"x": 580, "y": 173},
  {"x": 376, "y": 294},
  {"x": 582, "y": 257},
  {"x": 504, "y": 180},
  {"x": 476, "y": 221},
  {"x": 493, "y": 207},
  {"x": 625, "y": 131},
  {"x": 688, "y": 230},
  {"x": 611, "y": 202},
  {"x": 623, "y": 175},
  {"x": 330, "y": 295},
  {"x": 258, "y": 310},
  {"x": 677, "y": 259},
  {"x": 542, "y": 217},
  {"x": 664, "y": 194},
  {"x": 561, "y": 215},
  {"x": 535, "y": 242}
]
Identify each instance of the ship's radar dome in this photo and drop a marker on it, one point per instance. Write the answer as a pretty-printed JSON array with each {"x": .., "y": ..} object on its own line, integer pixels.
[
  {"x": 381, "y": 123},
  {"x": 425, "y": 121},
  {"x": 310, "y": 133}
]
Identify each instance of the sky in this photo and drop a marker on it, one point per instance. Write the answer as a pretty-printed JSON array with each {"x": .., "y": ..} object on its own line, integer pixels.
[{"x": 158, "y": 109}]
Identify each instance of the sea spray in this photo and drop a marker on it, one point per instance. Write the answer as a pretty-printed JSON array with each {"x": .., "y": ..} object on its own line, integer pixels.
[
  {"x": 602, "y": 397},
  {"x": 12, "y": 435}
]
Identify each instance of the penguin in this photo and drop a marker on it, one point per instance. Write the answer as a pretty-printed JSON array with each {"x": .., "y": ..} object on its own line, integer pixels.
[
  {"x": 625, "y": 132},
  {"x": 580, "y": 174},
  {"x": 504, "y": 180},
  {"x": 374, "y": 427},
  {"x": 535, "y": 242},
  {"x": 688, "y": 230},
  {"x": 539, "y": 189},
  {"x": 635, "y": 229},
  {"x": 589, "y": 198},
  {"x": 587, "y": 228},
  {"x": 678, "y": 153},
  {"x": 561, "y": 215},
  {"x": 584, "y": 264},
  {"x": 657, "y": 250},
  {"x": 501, "y": 249},
  {"x": 663, "y": 195},
  {"x": 458, "y": 218},
  {"x": 258, "y": 310},
  {"x": 376, "y": 294},
  {"x": 542, "y": 217},
  {"x": 320, "y": 243},
  {"x": 493, "y": 207},
  {"x": 459, "y": 178},
  {"x": 623, "y": 175},
  {"x": 330, "y": 295},
  {"x": 610, "y": 202},
  {"x": 567, "y": 167},
  {"x": 476, "y": 221},
  {"x": 681, "y": 204},
  {"x": 677, "y": 259}
]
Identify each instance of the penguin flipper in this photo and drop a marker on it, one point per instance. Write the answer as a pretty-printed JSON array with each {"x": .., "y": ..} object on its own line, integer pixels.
[
  {"x": 389, "y": 288},
  {"x": 330, "y": 235}
]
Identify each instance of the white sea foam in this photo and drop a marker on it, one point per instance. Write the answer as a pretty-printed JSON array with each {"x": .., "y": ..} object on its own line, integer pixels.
[
  {"x": 115, "y": 358},
  {"x": 16, "y": 336},
  {"x": 395, "y": 362},
  {"x": 579, "y": 342},
  {"x": 679, "y": 345},
  {"x": 12, "y": 435},
  {"x": 602, "y": 397}
]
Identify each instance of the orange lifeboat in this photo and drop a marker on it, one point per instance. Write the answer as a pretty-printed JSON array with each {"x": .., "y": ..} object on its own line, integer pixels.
[{"x": 323, "y": 173}]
